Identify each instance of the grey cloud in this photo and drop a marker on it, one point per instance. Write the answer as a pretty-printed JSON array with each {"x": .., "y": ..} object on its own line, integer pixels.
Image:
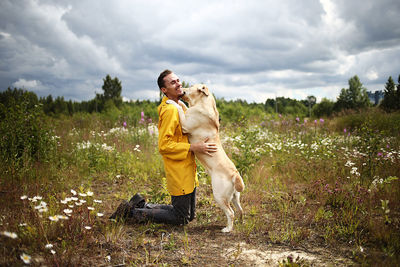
[{"x": 263, "y": 47}]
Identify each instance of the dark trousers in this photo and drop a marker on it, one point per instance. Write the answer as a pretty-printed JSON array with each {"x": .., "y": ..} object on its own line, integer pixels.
[{"x": 181, "y": 211}]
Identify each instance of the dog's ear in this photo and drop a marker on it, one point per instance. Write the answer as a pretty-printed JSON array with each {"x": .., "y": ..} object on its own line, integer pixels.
[{"x": 203, "y": 89}]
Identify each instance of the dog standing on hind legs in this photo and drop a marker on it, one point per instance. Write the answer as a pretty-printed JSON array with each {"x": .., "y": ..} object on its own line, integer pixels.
[{"x": 201, "y": 123}]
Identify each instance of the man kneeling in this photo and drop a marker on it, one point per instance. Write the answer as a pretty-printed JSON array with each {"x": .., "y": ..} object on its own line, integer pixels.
[{"x": 179, "y": 164}]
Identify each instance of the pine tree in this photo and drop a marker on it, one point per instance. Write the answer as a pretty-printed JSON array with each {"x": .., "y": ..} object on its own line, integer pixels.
[
  {"x": 112, "y": 90},
  {"x": 390, "y": 96},
  {"x": 398, "y": 94}
]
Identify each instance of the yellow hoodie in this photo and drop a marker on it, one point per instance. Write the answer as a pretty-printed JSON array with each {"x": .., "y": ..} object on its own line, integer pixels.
[{"x": 179, "y": 162}]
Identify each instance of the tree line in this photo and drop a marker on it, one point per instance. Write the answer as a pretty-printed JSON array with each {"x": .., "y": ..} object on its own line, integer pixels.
[{"x": 354, "y": 97}]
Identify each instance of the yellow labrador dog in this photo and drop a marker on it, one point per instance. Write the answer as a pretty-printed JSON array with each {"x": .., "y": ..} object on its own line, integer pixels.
[{"x": 201, "y": 121}]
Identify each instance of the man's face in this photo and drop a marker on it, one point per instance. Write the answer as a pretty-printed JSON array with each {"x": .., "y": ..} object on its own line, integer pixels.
[{"x": 172, "y": 87}]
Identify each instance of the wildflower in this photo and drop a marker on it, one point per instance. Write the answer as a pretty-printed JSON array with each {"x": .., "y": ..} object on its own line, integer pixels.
[
  {"x": 26, "y": 258},
  {"x": 88, "y": 227},
  {"x": 53, "y": 251},
  {"x": 349, "y": 164},
  {"x": 44, "y": 209},
  {"x": 54, "y": 218},
  {"x": 62, "y": 217},
  {"x": 100, "y": 214},
  {"x": 48, "y": 246},
  {"x": 74, "y": 199},
  {"x": 380, "y": 154},
  {"x": 97, "y": 201},
  {"x": 315, "y": 121},
  {"x": 321, "y": 120},
  {"x": 305, "y": 120},
  {"x": 35, "y": 198},
  {"x": 142, "y": 117},
  {"x": 23, "y": 224},
  {"x": 24, "y": 197},
  {"x": 9, "y": 234},
  {"x": 90, "y": 208},
  {"x": 78, "y": 203},
  {"x": 108, "y": 258},
  {"x": 297, "y": 119},
  {"x": 124, "y": 124},
  {"x": 73, "y": 192},
  {"x": 345, "y": 130},
  {"x": 67, "y": 211},
  {"x": 63, "y": 201},
  {"x": 82, "y": 194},
  {"x": 89, "y": 193}
]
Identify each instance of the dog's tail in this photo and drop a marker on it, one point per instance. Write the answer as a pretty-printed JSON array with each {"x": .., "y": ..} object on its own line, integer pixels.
[{"x": 238, "y": 182}]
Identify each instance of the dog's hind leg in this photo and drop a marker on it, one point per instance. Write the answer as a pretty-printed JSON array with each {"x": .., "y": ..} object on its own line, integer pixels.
[
  {"x": 236, "y": 203},
  {"x": 224, "y": 205}
]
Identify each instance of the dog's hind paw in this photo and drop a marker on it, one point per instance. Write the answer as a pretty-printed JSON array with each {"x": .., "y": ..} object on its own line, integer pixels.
[{"x": 226, "y": 230}]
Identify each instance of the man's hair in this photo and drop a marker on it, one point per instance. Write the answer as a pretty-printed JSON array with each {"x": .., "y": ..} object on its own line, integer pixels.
[{"x": 160, "y": 80}]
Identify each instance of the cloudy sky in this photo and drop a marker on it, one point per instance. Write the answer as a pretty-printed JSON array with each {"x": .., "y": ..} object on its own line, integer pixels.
[{"x": 251, "y": 50}]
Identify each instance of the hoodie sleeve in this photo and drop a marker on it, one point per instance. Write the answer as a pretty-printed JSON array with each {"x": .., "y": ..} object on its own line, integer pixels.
[{"x": 171, "y": 143}]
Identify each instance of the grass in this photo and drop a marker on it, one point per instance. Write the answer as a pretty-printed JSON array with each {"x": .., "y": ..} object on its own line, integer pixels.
[{"x": 309, "y": 185}]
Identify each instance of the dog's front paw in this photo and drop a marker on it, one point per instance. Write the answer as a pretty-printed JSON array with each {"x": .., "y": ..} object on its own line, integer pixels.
[{"x": 169, "y": 101}]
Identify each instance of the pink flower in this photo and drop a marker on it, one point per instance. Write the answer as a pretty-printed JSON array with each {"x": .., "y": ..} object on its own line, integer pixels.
[
  {"x": 315, "y": 121},
  {"x": 345, "y": 130},
  {"x": 124, "y": 124},
  {"x": 321, "y": 120},
  {"x": 297, "y": 119},
  {"x": 142, "y": 117}
]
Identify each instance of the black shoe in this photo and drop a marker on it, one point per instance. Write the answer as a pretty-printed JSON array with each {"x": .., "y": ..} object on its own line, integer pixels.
[
  {"x": 122, "y": 210},
  {"x": 137, "y": 201}
]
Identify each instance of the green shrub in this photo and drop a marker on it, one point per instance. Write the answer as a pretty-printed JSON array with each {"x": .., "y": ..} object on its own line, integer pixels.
[{"x": 25, "y": 136}]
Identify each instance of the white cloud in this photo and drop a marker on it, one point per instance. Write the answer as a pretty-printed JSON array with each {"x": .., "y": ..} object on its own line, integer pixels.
[
  {"x": 372, "y": 75},
  {"x": 27, "y": 84}
]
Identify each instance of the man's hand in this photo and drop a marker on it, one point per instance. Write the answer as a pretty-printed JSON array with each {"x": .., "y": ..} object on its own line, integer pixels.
[{"x": 204, "y": 147}]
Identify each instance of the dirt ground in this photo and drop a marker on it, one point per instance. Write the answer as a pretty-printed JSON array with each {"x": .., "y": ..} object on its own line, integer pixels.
[
  {"x": 194, "y": 245},
  {"x": 202, "y": 244}
]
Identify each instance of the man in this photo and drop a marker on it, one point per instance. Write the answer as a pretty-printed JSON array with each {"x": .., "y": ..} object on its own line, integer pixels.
[{"x": 179, "y": 164}]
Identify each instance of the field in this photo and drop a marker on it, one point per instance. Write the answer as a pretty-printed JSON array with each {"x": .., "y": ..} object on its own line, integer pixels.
[{"x": 319, "y": 192}]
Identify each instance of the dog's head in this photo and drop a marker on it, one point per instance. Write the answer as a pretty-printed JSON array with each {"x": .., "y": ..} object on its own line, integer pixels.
[{"x": 195, "y": 93}]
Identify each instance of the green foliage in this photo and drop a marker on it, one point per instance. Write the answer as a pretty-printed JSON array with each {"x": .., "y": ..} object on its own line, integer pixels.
[
  {"x": 26, "y": 137},
  {"x": 248, "y": 143},
  {"x": 284, "y": 105},
  {"x": 323, "y": 109},
  {"x": 112, "y": 90},
  {"x": 355, "y": 97},
  {"x": 378, "y": 120},
  {"x": 391, "y": 101}
]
